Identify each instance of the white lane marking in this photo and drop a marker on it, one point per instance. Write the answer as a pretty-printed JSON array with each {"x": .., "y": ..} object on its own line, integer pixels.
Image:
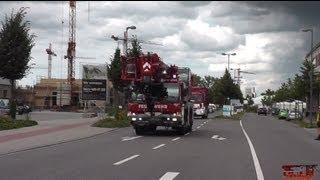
[
  {"x": 198, "y": 127},
  {"x": 221, "y": 138},
  {"x": 218, "y": 137},
  {"x": 169, "y": 176},
  {"x": 175, "y": 139},
  {"x": 187, "y": 134},
  {"x": 254, "y": 156},
  {"x": 130, "y": 138},
  {"x": 205, "y": 122},
  {"x": 125, "y": 160},
  {"x": 215, "y": 136},
  {"x": 158, "y": 146}
]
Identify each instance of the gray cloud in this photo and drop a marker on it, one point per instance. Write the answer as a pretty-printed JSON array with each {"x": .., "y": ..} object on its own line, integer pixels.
[
  {"x": 264, "y": 34},
  {"x": 194, "y": 3}
]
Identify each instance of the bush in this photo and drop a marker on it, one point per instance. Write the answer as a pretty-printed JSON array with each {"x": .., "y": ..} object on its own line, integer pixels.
[
  {"x": 112, "y": 111},
  {"x": 253, "y": 109},
  {"x": 7, "y": 123},
  {"x": 237, "y": 116},
  {"x": 112, "y": 123},
  {"x": 120, "y": 119}
]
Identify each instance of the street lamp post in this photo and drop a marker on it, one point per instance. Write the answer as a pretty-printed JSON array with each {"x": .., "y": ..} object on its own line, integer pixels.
[
  {"x": 125, "y": 42},
  {"x": 228, "y": 54},
  {"x": 310, "y": 76}
]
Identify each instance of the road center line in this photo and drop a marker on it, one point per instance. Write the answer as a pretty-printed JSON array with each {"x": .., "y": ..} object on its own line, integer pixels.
[
  {"x": 169, "y": 176},
  {"x": 254, "y": 156},
  {"x": 214, "y": 136},
  {"x": 159, "y": 146},
  {"x": 189, "y": 133},
  {"x": 125, "y": 160},
  {"x": 175, "y": 139},
  {"x": 130, "y": 138}
]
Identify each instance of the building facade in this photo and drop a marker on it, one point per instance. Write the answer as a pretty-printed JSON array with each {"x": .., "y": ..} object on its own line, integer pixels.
[
  {"x": 5, "y": 87},
  {"x": 315, "y": 54},
  {"x": 47, "y": 94}
]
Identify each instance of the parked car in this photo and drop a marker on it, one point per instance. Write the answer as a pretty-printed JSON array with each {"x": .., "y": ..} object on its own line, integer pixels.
[
  {"x": 293, "y": 115},
  {"x": 283, "y": 114},
  {"x": 275, "y": 111},
  {"x": 262, "y": 110},
  {"x": 23, "y": 109},
  {"x": 211, "y": 108},
  {"x": 4, "y": 111}
]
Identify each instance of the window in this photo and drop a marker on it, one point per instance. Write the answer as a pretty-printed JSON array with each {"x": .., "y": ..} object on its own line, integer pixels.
[
  {"x": 173, "y": 92},
  {"x": 196, "y": 97},
  {"x": 54, "y": 93},
  {"x": 137, "y": 97}
]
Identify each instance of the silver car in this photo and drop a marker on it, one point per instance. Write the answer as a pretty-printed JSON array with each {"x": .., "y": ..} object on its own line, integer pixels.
[{"x": 293, "y": 115}]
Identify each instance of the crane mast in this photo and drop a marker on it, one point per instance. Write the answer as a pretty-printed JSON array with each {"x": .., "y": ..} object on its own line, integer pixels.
[
  {"x": 50, "y": 54},
  {"x": 71, "y": 52}
]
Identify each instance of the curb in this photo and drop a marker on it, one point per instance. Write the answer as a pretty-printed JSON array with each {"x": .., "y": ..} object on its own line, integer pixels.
[{"x": 57, "y": 143}]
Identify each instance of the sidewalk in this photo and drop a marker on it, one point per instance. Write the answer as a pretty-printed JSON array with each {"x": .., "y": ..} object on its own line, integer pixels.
[{"x": 47, "y": 133}]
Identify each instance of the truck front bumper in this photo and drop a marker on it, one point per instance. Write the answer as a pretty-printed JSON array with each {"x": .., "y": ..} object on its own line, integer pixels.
[
  {"x": 199, "y": 112},
  {"x": 161, "y": 120}
]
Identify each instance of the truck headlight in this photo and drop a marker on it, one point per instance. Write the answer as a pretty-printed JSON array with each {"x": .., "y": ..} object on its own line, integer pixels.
[
  {"x": 134, "y": 119},
  {"x": 140, "y": 118},
  {"x": 131, "y": 114},
  {"x": 174, "y": 119}
]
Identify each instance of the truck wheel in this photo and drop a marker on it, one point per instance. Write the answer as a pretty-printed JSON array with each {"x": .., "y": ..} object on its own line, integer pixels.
[
  {"x": 153, "y": 129},
  {"x": 139, "y": 131},
  {"x": 182, "y": 131},
  {"x": 190, "y": 128}
]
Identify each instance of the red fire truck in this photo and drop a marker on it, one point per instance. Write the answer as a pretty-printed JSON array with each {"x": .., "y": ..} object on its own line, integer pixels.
[
  {"x": 200, "y": 101},
  {"x": 160, "y": 94}
]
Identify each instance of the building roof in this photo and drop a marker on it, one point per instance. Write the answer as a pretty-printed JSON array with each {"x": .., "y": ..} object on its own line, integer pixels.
[{"x": 4, "y": 82}]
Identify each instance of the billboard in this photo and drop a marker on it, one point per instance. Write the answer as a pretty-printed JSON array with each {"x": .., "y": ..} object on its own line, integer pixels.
[
  {"x": 94, "y": 71},
  {"x": 94, "y": 89}
]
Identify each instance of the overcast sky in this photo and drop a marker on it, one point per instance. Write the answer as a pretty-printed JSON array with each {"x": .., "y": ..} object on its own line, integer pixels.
[{"x": 266, "y": 36}]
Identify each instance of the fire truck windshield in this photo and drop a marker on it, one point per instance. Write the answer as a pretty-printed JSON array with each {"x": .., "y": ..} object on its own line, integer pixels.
[
  {"x": 137, "y": 97},
  {"x": 196, "y": 97},
  {"x": 173, "y": 92}
]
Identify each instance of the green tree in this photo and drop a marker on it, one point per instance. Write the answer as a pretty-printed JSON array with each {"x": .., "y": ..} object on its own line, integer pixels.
[
  {"x": 225, "y": 89},
  {"x": 208, "y": 81},
  {"x": 15, "y": 49},
  {"x": 299, "y": 90},
  {"x": 114, "y": 72},
  {"x": 136, "y": 50},
  {"x": 306, "y": 69},
  {"x": 250, "y": 100},
  {"x": 196, "y": 80}
]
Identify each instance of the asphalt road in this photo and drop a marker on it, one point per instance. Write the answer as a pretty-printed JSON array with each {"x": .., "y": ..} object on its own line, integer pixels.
[{"x": 216, "y": 149}]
